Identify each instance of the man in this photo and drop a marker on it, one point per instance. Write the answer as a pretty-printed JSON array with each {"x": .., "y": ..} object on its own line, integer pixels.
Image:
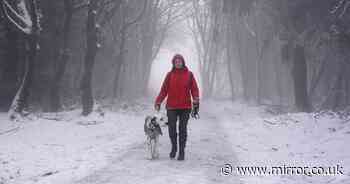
[{"x": 179, "y": 85}]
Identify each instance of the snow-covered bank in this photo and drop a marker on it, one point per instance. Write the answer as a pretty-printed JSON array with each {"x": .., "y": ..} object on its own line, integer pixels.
[
  {"x": 110, "y": 148},
  {"x": 50, "y": 151},
  {"x": 295, "y": 140}
]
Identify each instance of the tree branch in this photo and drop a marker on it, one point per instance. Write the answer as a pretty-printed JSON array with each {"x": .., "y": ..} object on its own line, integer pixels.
[
  {"x": 138, "y": 17},
  {"x": 25, "y": 19}
]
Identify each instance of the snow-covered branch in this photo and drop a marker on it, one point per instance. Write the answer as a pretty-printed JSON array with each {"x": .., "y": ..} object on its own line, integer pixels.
[
  {"x": 346, "y": 6},
  {"x": 21, "y": 18}
]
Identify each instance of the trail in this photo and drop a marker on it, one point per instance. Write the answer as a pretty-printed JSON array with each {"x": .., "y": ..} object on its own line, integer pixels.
[
  {"x": 111, "y": 149},
  {"x": 207, "y": 150}
]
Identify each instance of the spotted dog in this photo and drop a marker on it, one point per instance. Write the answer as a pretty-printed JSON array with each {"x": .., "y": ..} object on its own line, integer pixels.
[{"x": 152, "y": 128}]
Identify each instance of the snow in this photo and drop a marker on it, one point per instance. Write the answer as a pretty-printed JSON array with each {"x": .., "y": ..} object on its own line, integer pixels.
[
  {"x": 23, "y": 16},
  {"x": 66, "y": 148}
]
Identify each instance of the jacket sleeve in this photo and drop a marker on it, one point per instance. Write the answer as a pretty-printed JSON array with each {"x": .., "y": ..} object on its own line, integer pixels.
[
  {"x": 194, "y": 90},
  {"x": 164, "y": 90}
]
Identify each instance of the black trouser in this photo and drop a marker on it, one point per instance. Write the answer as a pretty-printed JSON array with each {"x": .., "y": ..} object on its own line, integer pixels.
[{"x": 173, "y": 115}]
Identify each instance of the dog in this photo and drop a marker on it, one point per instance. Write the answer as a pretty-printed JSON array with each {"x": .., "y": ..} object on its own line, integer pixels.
[{"x": 152, "y": 128}]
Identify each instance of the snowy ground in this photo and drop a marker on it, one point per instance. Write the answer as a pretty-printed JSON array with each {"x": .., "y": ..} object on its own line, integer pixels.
[{"x": 111, "y": 149}]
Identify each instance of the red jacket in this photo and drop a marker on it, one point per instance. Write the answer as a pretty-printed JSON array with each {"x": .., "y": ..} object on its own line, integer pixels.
[{"x": 179, "y": 85}]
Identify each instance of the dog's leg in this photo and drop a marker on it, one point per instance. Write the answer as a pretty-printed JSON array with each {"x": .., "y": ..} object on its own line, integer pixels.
[
  {"x": 153, "y": 148},
  {"x": 149, "y": 147},
  {"x": 157, "y": 147}
]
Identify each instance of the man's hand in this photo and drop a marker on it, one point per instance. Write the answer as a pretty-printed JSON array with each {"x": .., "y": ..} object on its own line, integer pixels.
[
  {"x": 195, "y": 110},
  {"x": 157, "y": 107}
]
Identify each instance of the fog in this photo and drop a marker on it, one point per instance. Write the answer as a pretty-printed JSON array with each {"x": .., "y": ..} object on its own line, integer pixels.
[
  {"x": 287, "y": 53},
  {"x": 81, "y": 99},
  {"x": 178, "y": 42}
]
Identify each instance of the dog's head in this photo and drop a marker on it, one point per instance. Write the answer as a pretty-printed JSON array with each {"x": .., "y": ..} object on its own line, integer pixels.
[
  {"x": 162, "y": 120},
  {"x": 153, "y": 124}
]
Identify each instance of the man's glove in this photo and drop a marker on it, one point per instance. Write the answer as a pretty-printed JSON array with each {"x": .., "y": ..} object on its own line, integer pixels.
[
  {"x": 157, "y": 107},
  {"x": 195, "y": 110}
]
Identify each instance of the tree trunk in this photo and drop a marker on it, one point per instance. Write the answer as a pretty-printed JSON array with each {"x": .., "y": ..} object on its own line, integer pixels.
[
  {"x": 119, "y": 61},
  {"x": 241, "y": 63},
  {"x": 340, "y": 90},
  {"x": 229, "y": 59},
  {"x": 62, "y": 59},
  {"x": 300, "y": 80},
  {"x": 147, "y": 51},
  {"x": 259, "y": 53},
  {"x": 147, "y": 31},
  {"x": 20, "y": 102},
  {"x": 91, "y": 39},
  {"x": 10, "y": 68}
]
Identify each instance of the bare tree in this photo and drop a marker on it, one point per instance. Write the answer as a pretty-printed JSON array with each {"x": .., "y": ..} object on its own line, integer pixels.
[
  {"x": 92, "y": 46},
  {"x": 26, "y": 19},
  {"x": 63, "y": 57}
]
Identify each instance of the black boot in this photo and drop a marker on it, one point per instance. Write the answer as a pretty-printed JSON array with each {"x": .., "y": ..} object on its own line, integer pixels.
[
  {"x": 173, "y": 140},
  {"x": 183, "y": 133},
  {"x": 172, "y": 118},
  {"x": 182, "y": 150},
  {"x": 181, "y": 154}
]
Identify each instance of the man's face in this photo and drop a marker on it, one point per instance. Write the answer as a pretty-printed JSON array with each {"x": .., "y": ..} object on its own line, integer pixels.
[{"x": 178, "y": 63}]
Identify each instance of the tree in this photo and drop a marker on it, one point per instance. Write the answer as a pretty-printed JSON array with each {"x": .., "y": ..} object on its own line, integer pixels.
[
  {"x": 63, "y": 57},
  {"x": 92, "y": 46},
  {"x": 26, "y": 20}
]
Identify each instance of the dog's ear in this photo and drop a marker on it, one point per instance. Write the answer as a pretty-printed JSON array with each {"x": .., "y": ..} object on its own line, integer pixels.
[
  {"x": 148, "y": 118},
  {"x": 154, "y": 119}
]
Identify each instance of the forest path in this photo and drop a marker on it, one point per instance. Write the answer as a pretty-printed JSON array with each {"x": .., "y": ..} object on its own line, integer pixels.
[
  {"x": 110, "y": 149},
  {"x": 207, "y": 150}
]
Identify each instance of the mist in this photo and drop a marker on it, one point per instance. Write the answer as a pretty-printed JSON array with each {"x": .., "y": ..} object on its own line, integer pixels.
[
  {"x": 179, "y": 41},
  {"x": 265, "y": 97}
]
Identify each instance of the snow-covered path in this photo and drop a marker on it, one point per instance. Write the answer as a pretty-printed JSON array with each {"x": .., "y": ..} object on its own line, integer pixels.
[
  {"x": 70, "y": 149},
  {"x": 208, "y": 148}
]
